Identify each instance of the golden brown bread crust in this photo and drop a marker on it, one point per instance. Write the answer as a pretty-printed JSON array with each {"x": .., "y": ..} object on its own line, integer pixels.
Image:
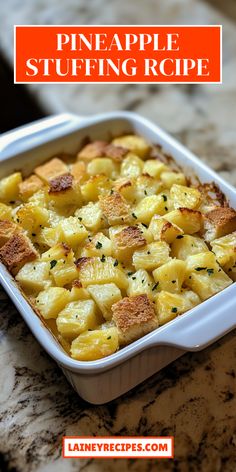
[
  {"x": 134, "y": 317},
  {"x": 30, "y": 186},
  {"x": 7, "y": 229},
  {"x": 82, "y": 261},
  {"x": 130, "y": 237},
  {"x": 51, "y": 169},
  {"x": 61, "y": 183},
  {"x": 117, "y": 153},
  {"x": 219, "y": 222},
  {"x": 189, "y": 212},
  {"x": 92, "y": 150},
  {"x": 78, "y": 171},
  {"x": 17, "y": 251},
  {"x": 115, "y": 208}
]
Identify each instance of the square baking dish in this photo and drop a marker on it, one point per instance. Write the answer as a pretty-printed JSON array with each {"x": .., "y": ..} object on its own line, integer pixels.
[{"x": 103, "y": 380}]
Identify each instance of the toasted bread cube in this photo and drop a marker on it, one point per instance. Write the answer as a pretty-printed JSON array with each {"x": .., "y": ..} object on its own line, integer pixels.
[
  {"x": 134, "y": 317},
  {"x": 51, "y": 301},
  {"x": 154, "y": 168},
  {"x": 134, "y": 143},
  {"x": 170, "y": 276},
  {"x": 96, "y": 185},
  {"x": 170, "y": 178},
  {"x": 126, "y": 241},
  {"x": 79, "y": 172},
  {"x": 151, "y": 256},
  {"x": 116, "y": 153},
  {"x": 31, "y": 217},
  {"x": 169, "y": 305},
  {"x": 163, "y": 230},
  {"x": 146, "y": 186},
  {"x": 219, "y": 222},
  {"x": 149, "y": 206},
  {"x": 225, "y": 248},
  {"x": 98, "y": 246},
  {"x": 9, "y": 187},
  {"x": 103, "y": 165},
  {"x": 78, "y": 292},
  {"x": 29, "y": 186},
  {"x": 115, "y": 209},
  {"x": 187, "y": 246},
  {"x": 140, "y": 282},
  {"x": 205, "y": 277},
  {"x": 93, "y": 270},
  {"x": 183, "y": 196},
  {"x": 64, "y": 191},
  {"x": 132, "y": 166},
  {"x": 90, "y": 216},
  {"x": 51, "y": 170},
  {"x": 34, "y": 276},
  {"x": 5, "y": 212},
  {"x": 93, "y": 345},
  {"x": 7, "y": 229},
  {"x": 76, "y": 318},
  {"x": 17, "y": 251},
  {"x": 105, "y": 296},
  {"x": 73, "y": 232},
  {"x": 190, "y": 221},
  {"x": 92, "y": 150}
]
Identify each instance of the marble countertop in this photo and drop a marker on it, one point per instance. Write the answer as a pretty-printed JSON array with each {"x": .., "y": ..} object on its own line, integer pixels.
[{"x": 194, "y": 398}]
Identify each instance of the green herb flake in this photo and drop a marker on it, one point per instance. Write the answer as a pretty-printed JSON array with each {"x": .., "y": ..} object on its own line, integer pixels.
[
  {"x": 133, "y": 278},
  {"x": 80, "y": 218},
  {"x": 53, "y": 263},
  {"x": 198, "y": 269},
  {"x": 164, "y": 198},
  {"x": 129, "y": 274},
  {"x": 210, "y": 271},
  {"x": 145, "y": 226},
  {"x": 174, "y": 309},
  {"x": 134, "y": 216},
  {"x": 116, "y": 263},
  {"x": 103, "y": 258},
  {"x": 108, "y": 337},
  {"x": 155, "y": 286},
  {"x": 98, "y": 245},
  {"x": 179, "y": 237},
  {"x": 173, "y": 281}
]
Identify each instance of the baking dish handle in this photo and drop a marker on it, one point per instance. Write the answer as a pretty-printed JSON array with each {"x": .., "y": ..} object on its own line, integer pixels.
[
  {"x": 16, "y": 140},
  {"x": 195, "y": 331}
]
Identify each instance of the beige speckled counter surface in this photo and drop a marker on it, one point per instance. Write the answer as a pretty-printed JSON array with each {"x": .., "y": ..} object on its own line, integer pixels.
[{"x": 193, "y": 399}]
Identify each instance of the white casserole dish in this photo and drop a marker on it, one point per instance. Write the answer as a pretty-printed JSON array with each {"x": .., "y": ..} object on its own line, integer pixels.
[{"x": 103, "y": 380}]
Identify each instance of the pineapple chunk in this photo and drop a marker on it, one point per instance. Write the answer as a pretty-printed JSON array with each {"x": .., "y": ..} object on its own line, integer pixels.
[
  {"x": 205, "y": 277},
  {"x": 64, "y": 271},
  {"x": 92, "y": 345},
  {"x": 48, "y": 237},
  {"x": 95, "y": 186},
  {"x": 132, "y": 166},
  {"x": 59, "y": 251},
  {"x": 170, "y": 276},
  {"x": 140, "y": 282},
  {"x": 34, "y": 276},
  {"x": 98, "y": 246},
  {"x": 187, "y": 246},
  {"x": 31, "y": 217},
  {"x": 134, "y": 143},
  {"x": 151, "y": 256},
  {"x": 146, "y": 186},
  {"x": 154, "y": 168},
  {"x": 170, "y": 178},
  {"x": 183, "y": 196},
  {"x": 93, "y": 270},
  {"x": 149, "y": 206},
  {"x": 5, "y": 212},
  {"x": 190, "y": 221},
  {"x": 230, "y": 268},
  {"x": 29, "y": 186},
  {"x": 105, "y": 296},
  {"x": 134, "y": 317},
  {"x": 225, "y": 248},
  {"x": 64, "y": 191},
  {"x": 169, "y": 305},
  {"x": 9, "y": 187},
  {"x": 126, "y": 187},
  {"x": 51, "y": 301},
  {"x": 103, "y": 165},
  {"x": 52, "y": 169},
  {"x": 76, "y": 317},
  {"x": 163, "y": 230},
  {"x": 39, "y": 198},
  {"x": 72, "y": 231},
  {"x": 78, "y": 292},
  {"x": 91, "y": 216}
]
